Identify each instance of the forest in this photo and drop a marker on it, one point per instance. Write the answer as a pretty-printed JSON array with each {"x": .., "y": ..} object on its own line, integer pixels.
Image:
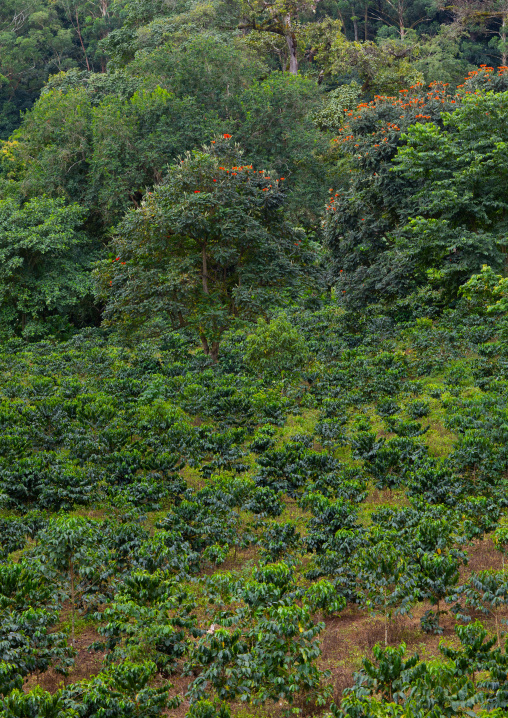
[{"x": 253, "y": 359}]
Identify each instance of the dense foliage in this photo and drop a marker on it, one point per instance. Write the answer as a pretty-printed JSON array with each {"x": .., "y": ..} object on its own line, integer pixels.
[
  {"x": 135, "y": 480},
  {"x": 253, "y": 360}
]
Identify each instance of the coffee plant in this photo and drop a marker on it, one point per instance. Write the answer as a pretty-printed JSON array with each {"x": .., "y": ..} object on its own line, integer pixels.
[{"x": 216, "y": 524}]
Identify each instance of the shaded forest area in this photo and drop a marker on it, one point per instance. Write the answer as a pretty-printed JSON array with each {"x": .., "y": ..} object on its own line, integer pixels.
[
  {"x": 99, "y": 100},
  {"x": 253, "y": 361}
]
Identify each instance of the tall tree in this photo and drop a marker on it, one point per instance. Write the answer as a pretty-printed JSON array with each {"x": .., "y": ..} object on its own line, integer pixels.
[
  {"x": 404, "y": 15},
  {"x": 209, "y": 246},
  {"x": 490, "y": 18},
  {"x": 39, "y": 38},
  {"x": 44, "y": 260},
  {"x": 280, "y": 17}
]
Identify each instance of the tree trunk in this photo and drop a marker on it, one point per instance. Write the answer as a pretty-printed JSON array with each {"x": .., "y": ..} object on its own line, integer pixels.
[
  {"x": 205, "y": 271},
  {"x": 402, "y": 29},
  {"x": 355, "y": 25},
  {"x": 293, "y": 60},
  {"x": 204, "y": 343},
  {"x": 366, "y": 22},
  {"x": 214, "y": 352},
  {"x": 502, "y": 34},
  {"x": 78, "y": 30}
]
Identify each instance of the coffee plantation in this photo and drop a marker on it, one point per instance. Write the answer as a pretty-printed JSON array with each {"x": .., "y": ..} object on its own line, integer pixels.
[{"x": 201, "y": 524}]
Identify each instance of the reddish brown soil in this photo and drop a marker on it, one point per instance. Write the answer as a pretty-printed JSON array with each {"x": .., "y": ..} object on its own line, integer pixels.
[
  {"x": 346, "y": 639},
  {"x": 87, "y": 664}
]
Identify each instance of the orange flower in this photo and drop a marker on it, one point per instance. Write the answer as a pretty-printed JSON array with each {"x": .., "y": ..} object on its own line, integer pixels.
[{"x": 227, "y": 137}]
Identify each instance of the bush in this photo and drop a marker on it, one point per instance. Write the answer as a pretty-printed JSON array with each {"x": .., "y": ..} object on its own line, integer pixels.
[
  {"x": 276, "y": 348},
  {"x": 418, "y": 409}
]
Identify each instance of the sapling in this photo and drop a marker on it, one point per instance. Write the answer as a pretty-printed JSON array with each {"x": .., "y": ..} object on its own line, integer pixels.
[
  {"x": 322, "y": 596},
  {"x": 385, "y": 674},
  {"x": 72, "y": 547},
  {"x": 384, "y": 584},
  {"x": 500, "y": 541},
  {"x": 436, "y": 576},
  {"x": 487, "y": 591}
]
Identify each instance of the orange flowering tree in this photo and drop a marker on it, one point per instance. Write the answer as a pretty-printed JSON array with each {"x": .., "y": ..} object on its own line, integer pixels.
[
  {"x": 208, "y": 247},
  {"x": 460, "y": 211},
  {"x": 371, "y": 224},
  {"x": 368, "y": 204}
]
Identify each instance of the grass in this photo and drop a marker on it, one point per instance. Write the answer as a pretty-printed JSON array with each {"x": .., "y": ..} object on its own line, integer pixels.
[
  {"x": 81, "y": 624},
  {"x": 439, "y": 439},
  {"x": 303, "y": 423},
  {"x": 193, "y": 477},
  {"x": 378, "y": 499}
]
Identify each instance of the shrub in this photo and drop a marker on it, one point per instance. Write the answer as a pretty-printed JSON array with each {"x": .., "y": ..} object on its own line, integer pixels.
[{"x": 277, "y": 347}]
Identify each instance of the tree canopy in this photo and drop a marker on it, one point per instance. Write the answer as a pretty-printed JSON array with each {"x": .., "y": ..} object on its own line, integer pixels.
[{"x": 208, "y": 246}]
